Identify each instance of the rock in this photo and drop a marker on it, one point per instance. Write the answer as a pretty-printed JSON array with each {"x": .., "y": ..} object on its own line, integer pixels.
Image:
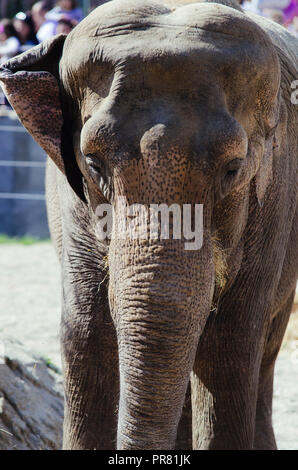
[{"x": 31, "y": 400}]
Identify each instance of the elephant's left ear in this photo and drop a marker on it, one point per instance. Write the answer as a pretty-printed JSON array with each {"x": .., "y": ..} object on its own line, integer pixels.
[{"x": 31, "y": 84}]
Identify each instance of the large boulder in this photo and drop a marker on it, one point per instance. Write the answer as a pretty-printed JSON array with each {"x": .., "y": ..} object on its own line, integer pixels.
[{"x": 31, "y": 400}]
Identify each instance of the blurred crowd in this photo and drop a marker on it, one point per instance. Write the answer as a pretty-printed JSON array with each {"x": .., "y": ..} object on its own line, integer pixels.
[
  {"x": 284, "y": 12},
  {"x": 46, "y": 19},
  {"x": 27, "y": 29}
]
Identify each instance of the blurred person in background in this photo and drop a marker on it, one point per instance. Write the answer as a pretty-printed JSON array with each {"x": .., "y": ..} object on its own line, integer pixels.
[
  {"x": 65, "y": 9},
  {"x": 251, "y": 5},
  {"x": 24, "y": 26},
  {"x": 45, "y": 28},
  {"x": 288, "y": 8},
  {"x": 257, "y": 6},
  {"x": 10, "y": 43},
  {"x": 283, "y": 12},
  {"x": 64, "y": 26},
  {"x": 275, "y": 15},
  {"x": 291, "y": 12},
  {"x": 273, "y": 4},
  {"x": 293, "y": 27}
]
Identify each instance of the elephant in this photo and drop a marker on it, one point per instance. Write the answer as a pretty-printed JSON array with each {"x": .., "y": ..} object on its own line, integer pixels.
[{"x": 165, "y": 347}]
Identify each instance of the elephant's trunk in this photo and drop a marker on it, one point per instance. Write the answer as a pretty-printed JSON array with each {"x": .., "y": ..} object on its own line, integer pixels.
[{"x": 159, "y": 316}]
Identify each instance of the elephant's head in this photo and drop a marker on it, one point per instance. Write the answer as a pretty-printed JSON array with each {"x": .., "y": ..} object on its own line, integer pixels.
[{"x": 158, "y": 107}]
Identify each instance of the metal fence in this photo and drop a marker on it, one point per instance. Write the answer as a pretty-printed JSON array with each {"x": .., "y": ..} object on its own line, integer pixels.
[{"x": 22, "y": 181}]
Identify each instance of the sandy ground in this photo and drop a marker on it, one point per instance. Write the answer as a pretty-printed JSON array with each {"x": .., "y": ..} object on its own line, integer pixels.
[{"x": 30, "y": 312}]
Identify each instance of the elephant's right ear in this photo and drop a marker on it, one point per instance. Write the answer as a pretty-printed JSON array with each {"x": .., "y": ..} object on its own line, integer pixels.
[{"x": 31, "y": 84}]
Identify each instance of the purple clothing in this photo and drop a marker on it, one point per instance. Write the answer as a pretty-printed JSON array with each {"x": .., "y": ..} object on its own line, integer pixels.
[
  {"x": 291, "y": 11},
  {"x": 57, "y": 13}
]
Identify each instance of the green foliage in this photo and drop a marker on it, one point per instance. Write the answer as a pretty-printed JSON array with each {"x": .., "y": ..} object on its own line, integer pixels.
[
  {"x": 51, "y": 365},
  {"x": 26, "y": 240}
]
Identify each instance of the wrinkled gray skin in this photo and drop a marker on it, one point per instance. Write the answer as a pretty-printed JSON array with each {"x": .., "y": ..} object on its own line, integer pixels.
[{"x": 185, "y": 106}]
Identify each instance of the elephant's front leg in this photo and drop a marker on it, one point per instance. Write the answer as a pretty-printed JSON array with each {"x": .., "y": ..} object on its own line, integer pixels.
[
  {"x": 224, "y": 385},
  {"x": 184, "y": 432},
  {"x": 89, "y": 357},
  {"x": 264, "y": 438},
  {"x": 226, "y": 372}
]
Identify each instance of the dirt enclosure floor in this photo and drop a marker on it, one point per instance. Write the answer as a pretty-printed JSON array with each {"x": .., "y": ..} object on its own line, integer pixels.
[{"x": 30, "y": 312}]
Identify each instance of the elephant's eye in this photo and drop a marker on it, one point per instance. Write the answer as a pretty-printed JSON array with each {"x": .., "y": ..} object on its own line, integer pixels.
[
  {"x": 94, "y": 163},
  {"x": 232, "y": 168},
  {"x": 230, "y": 173},
  {"x": 100, "y": 174}
]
